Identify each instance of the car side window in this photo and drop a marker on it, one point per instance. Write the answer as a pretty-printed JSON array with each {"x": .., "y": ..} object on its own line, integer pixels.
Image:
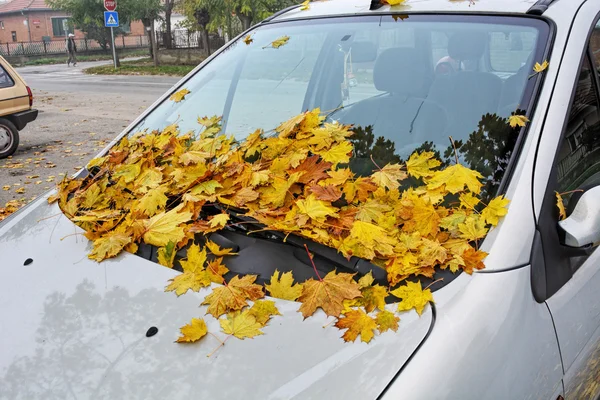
[
  {"x": 576, "y": 168},
  {"x": 578, "y": 159},
  {"x": 5, "y": 79}
]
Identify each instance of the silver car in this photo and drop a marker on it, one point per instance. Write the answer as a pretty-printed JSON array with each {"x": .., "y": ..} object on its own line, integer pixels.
[{"x": 408, "y": 77}]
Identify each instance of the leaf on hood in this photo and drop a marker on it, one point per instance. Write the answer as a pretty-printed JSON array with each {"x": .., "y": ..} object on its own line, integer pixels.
[
  {"x": 193, "y": 331},
  {"x": 357, "y": 323},
  {"x": 282, "y": 286},
  {"x": 241, "y": 325},
  {"x": 166, "y": 227},
  {"x": 233, "y": 296},
  {"x": 413, "y": 296},
  {"x": 386, "y": 320},
  {"x": 109, "y": 246},
  {"x": 194, "y": 276},
  {"x": 328, "y": 294},
  {"x": 263, "y": 310}
]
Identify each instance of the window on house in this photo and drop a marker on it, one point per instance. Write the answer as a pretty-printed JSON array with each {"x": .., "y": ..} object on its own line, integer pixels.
[
  {"x": 61, "y": 26},
  {"x": 1, "y": 24},
  {"x": 14, "y": 36}
]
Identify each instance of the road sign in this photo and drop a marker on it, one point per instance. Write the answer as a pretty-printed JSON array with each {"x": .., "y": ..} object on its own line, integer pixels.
[
  {"x": 111, "y": 19},
  {"x": 110, "y": 5}
]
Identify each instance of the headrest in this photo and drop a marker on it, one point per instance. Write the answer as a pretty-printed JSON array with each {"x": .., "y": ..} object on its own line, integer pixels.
[
  {"x": 398, "y": 70},
  {"x": 466, "y": 45},
  {"x": 363, "y": 52}
]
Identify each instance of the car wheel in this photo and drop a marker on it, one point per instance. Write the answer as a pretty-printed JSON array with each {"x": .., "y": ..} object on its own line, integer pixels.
[{"x": 9, "y": 138}]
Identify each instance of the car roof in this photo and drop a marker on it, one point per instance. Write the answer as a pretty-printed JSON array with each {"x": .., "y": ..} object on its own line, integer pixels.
[{"x": 323, "y": 8}]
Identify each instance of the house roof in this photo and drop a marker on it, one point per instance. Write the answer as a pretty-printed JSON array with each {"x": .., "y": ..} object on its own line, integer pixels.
[{"x": 20, "y": 5}]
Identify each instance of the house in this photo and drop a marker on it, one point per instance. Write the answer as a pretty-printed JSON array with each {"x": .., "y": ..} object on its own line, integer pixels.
[{"x": 34, "y": 20}]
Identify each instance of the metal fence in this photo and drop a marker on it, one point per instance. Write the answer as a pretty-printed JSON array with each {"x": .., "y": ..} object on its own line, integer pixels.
[
  {"x": 185, "y": 39},
  {"x": 59, "y": 46}
]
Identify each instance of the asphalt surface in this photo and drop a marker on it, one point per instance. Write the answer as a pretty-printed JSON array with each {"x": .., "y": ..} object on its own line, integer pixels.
[{"x": 79, "y": 115}]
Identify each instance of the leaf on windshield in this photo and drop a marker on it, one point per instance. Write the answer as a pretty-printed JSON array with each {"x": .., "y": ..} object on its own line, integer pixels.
[
  {"x": 562, "y": 212},
  {"x": 517, "y": 120},
  {"x": 393, "y": 2},
  {"x": 248, "y": 39},
  {"x": 277, "y": 43},
  {"x": 305, "y": 5},
  {"x": 179, "y": 95},
  {"x": 193, "y": 331},
  {"x": 537, "y": 68},
  {"x": 496, "y": 209}
]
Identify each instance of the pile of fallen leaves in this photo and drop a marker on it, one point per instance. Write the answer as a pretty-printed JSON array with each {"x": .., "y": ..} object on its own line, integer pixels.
[
  {"x": 152, "y": 187},
  {"x": 9, "y": 208}
]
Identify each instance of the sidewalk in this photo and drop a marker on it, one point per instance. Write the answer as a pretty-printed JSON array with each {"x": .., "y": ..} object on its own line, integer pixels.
[{"x": 78, "y": 70}]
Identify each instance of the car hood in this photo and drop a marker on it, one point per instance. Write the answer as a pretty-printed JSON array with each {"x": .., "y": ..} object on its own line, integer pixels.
[{"x": 73, "y": 328}]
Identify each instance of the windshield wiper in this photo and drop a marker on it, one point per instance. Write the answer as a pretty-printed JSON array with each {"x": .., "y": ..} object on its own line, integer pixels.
[{"x": 356, "y": 265}]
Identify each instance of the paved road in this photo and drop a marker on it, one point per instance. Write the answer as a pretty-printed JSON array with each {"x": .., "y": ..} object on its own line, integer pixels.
[
  {"x": 60, "y": 78},
  {"x": 79, "y": 115}
]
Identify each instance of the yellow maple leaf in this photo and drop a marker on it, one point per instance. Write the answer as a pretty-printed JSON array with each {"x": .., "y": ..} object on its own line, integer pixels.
[
  {"x": 218, "y": 251},
  {"x": 517, "y": 120},
  {"x": 152, "y": 202},
  {"x": 166, "y": 227},
  {"x": 357, "y": 323},
  {"x": 468, "y": 201},
  {"x": 373, "y": 297},
  {"x": 193, "y": 331},
  {"x": 282, "y": 286},
  {"x": 337, "y": 154},
  {"x": 473, "y": 259},
  {"x": 389, "y": 176},
  {"x": 241, "y": 325},
  {"x": 233, "y": 296},
  {"x": 219, "y": 220},
  {"x": 166, "y": 255},
  {"x": 473, "y": 228},
  {"x": 537, "y": 68},
  {"x": 263, "y": 310},
  {"x": 562, "y": 212},
  {"x": 305, "y": 5},
  {"x": 179, "y": 95},
  {"x": 425, "y": 218},
  {"x": 395, "y": 2},
  {"x": 194, "y": 276},
  {"x": 386, "y": 320},
  {"x": 421, "y": 165},
  {"x": 495, "y": 210},
  {"x": 109, "y": 246},
  {"x": 277, "y": 43},
  {"x": 413, "y": 296},
  {"x": 316, "y": 209},
  {"x": 248, "y": 39},
  {"x": 328, "y": 294},
  {"x": 276, "y": 194},
  {"x": 455, "y": 178}
]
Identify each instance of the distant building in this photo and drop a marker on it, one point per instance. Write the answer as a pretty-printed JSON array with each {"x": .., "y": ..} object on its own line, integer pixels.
[{"x": 34, "y": 20}]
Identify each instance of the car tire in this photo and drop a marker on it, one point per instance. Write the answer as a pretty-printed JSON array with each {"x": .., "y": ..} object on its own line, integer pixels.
[{"x": 9, "y": 138}]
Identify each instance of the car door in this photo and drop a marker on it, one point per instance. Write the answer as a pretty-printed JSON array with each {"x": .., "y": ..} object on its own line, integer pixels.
[{"x": 568, "y": 164}]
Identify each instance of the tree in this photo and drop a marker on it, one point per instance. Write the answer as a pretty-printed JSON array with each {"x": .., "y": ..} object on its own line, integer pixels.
[
  {"x": 147, "y": 11},
  {"x": 168, "y": 7},
  {"x": 88, "y": 15}
]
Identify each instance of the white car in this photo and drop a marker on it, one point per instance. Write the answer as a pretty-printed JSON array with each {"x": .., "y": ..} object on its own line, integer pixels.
[{"x": 525, "y": 327}]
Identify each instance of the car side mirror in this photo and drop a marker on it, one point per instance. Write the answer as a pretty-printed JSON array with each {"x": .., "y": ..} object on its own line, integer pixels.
[{"x": 582, "y": 227}]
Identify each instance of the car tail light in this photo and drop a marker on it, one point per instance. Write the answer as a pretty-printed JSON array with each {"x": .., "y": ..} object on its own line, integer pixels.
[{"x": 30, "y": 94}]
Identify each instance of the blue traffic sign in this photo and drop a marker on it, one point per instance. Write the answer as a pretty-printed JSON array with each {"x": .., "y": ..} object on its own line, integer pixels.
[{"x": 111, "y": 19}]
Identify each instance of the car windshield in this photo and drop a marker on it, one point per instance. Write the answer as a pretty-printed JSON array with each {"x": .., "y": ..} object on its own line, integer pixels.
[{"x": 405, "y": 82}]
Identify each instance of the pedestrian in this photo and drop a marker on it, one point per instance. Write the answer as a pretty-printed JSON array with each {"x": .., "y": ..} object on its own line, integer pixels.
[{"x": 71, "y": 49}]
